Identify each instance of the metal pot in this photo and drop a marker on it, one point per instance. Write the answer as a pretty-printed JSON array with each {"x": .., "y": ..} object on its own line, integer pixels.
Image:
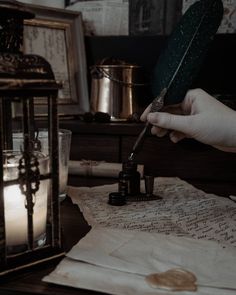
[{"x": 117, "y": 90}]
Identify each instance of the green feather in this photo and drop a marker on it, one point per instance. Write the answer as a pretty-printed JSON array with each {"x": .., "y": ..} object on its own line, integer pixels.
[
  {"x": 186, "y": 49},
  {"x": 182, "y": 58}
]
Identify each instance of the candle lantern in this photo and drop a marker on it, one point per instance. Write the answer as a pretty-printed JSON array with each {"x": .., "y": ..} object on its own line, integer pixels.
[{"x": 29, "y": 182}]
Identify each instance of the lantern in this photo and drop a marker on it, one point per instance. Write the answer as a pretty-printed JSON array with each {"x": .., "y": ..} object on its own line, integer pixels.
[{"x": 29, "y": 182}]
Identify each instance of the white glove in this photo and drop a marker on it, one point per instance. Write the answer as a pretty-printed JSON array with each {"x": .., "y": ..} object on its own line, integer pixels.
[{"x": 199, "y": 116}]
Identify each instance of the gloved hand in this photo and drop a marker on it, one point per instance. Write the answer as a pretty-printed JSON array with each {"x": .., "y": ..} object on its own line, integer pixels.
[{"x": 199, "y": 116}]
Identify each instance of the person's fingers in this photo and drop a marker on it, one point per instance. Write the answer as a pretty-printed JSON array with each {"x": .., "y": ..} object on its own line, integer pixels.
[
  {"x": 143, "y": 117},
  {"x": 173, "y": 109},
  {"x": 225, "y": 148},
  {"x": 176, "y": 136},
  {"x": 160, "y": 132},
  {"x": 170, "y": 121}
]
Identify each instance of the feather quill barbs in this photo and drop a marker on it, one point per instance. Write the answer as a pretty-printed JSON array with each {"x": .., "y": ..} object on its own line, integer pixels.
[
  {"x": 186, "y": 48},
  {"x": 183, "y": 56}
]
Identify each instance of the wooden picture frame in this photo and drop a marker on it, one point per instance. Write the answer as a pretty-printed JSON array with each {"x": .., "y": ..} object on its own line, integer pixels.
[{"x": 57, "y": 35}]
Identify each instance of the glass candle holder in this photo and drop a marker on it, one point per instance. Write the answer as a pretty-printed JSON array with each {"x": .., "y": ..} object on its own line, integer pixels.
[
  {"x": 64, "y": 153},
  {"x": 16, "y": 224},
  {"x": 64, "y": 157}
]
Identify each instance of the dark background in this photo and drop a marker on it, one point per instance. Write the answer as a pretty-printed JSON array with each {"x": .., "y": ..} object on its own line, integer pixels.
[{"x": 217, "y": 75}]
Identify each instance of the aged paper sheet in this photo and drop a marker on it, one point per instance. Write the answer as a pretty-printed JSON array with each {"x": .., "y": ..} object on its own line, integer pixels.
[
  {"x": 90, "y": 168},
  {"x": 50, "y": 43},
  {"x": 116, "y": 261},
  {"x": 183, "y": 211},
  {"x": 162, "y": 235}
]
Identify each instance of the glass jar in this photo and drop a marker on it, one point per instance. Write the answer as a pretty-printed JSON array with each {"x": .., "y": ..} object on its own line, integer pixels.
[{"x": 129, "y": 179}]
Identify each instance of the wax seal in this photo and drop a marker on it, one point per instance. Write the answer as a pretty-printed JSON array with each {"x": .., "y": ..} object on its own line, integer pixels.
[{"x": 176, "y": 279}]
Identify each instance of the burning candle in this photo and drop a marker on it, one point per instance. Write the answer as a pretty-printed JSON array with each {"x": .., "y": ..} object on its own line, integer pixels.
[
  {"x": 16, "y": 222},
  {"x": 64, "y": 153}
]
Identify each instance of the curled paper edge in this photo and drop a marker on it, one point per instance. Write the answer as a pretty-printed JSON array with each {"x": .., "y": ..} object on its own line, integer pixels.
[{"x": 98, "y": 168}]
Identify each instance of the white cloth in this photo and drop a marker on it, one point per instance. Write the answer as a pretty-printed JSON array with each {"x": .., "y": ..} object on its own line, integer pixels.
[{"x": 116, "y": 261}]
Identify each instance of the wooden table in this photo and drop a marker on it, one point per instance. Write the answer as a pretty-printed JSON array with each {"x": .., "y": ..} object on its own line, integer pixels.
[
  {"x": 28, "y": 281},
  {"x": 74, "y": 227}
]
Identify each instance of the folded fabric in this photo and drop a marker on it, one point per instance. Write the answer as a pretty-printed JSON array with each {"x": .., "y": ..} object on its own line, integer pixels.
[{"x": 117, "y": 261}]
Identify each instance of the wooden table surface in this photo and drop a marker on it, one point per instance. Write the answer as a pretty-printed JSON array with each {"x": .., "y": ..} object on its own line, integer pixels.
[
  {"x": 74, "y": 227},
  {"x": 28, "y": 281}
]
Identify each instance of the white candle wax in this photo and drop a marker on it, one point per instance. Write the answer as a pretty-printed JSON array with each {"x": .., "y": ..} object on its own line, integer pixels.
[
  {"x": 16, "y": 217},
  {"x": 16, "y": 224}
]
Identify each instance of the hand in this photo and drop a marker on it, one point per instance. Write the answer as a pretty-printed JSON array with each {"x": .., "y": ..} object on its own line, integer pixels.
[{"x": 199, "y": 116}]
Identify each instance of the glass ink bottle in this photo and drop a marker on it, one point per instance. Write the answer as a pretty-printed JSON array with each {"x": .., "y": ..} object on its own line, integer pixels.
[{"x": 129, "y": 179}]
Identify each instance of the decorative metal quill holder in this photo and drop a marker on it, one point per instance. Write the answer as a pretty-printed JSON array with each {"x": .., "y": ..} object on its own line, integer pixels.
[{"x": 29, "y": 182}]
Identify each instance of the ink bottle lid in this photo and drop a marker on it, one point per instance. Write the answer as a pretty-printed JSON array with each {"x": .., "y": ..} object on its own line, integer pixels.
[{"x": 116, "y": 199}]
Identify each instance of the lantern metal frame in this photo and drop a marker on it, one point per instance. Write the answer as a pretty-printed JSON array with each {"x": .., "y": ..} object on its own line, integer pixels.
[{"x": 23, "y": 78}]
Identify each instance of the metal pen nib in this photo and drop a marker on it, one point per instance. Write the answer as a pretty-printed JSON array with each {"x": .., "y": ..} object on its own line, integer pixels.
[
  {"x": 139, "y": 141},
  {"x": 157, "y": 104}
]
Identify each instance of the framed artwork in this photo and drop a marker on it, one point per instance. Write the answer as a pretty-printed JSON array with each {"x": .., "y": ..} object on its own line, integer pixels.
[
  {"x": 153, "y": 17},
  {"x": 57, "y": 35}
]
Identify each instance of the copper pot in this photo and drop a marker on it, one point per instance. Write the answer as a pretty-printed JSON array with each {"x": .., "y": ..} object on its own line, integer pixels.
[{"x": 117, "y": 90}]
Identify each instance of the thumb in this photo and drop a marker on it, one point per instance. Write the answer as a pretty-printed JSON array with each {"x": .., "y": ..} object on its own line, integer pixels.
[{"x": 170, "y": 121}]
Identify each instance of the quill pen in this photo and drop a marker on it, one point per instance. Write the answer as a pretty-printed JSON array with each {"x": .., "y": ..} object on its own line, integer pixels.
[{"x": 181, "y": 60}]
